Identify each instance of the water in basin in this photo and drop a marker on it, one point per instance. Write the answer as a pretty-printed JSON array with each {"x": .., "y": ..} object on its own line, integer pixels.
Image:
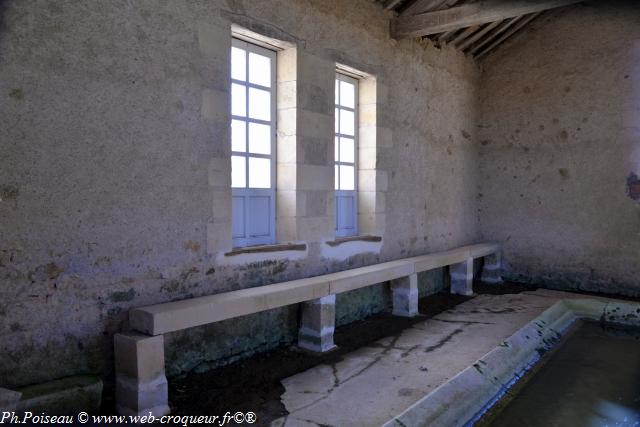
[{"x": 591, "y": 379}]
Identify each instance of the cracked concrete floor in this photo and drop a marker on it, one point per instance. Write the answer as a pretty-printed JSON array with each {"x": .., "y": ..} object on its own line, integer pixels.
[{"x": 377, "y": 382}]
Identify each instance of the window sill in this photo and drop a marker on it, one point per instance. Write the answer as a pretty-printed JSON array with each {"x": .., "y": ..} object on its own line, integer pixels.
[
  {"x": 340, "y": 240},
  {"x": 267, "y": 248}
]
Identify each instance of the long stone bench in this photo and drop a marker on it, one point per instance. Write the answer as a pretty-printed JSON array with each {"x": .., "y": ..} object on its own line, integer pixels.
[{"x": 141, "y": 385}]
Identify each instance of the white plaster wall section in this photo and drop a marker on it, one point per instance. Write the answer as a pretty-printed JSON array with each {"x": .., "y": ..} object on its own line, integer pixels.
[{"x": 346, "y": 250}]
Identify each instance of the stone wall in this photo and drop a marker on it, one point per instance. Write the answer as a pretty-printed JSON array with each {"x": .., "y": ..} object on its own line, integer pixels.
[
  {"x": 114, "y": 173},
  {"x": 559, "y": 147}
]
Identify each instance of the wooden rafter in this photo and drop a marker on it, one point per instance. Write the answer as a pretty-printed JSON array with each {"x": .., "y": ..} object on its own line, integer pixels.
[
  {"x": 391, "y": 4},
  {"x": 468, "y": 32},
  {"x": 478, "y": 35},
  {"x": 504, "y": 26},
  {"x": 422, "y": 6},
  {"x": 466, "y": 15},
  {"x": 521, "y": 23}
]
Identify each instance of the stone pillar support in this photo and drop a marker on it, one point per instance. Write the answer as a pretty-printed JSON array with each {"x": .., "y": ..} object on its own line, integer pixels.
[
  {"x": 492, "y": 269},
  {"x": 405, "y": 296},
  {"x": 462, "y": 277},
  {"x": 317, "y": 324},
  {"x": 141, "y": 384}
]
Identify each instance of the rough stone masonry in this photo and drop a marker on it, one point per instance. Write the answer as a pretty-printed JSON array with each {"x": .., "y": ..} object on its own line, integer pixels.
[
  {"x": 114, "y": 178},
  {"x": 115, "y": 172}
]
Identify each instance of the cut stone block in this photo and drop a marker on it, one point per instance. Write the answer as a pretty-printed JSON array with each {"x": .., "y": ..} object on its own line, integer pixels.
[
  {"x": 492, "y": 269},
  {"x": 66, "y": 396},
  {"x": 453, "y": 256},
  {"x": 139, "y": 398},
  {"x": 178, "y": 315},
  {"x": 9, "y": 400},
  {"x": 439, "y": 259},
  {"x": 317, "y": 324},
  {"x": 462, "y": 277},
  {"x": 141, "y": 384},
  {"x": 405, "y": 296},
  {"x": 175, "y": 316},
  {"x": 356, "y": 278},
  {"x": 482, "y": 249}
]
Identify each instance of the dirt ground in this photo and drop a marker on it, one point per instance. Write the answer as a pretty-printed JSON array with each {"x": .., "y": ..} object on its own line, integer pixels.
[{"x": 253, "y": 384}]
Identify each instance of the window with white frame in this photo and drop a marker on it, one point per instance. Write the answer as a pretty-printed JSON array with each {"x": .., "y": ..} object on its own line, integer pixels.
[
  {"x": 346, "y": 155},
  {"x": 253, "y": 128}
]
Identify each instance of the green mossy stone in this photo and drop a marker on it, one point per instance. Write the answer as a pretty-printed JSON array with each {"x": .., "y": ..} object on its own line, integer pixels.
[{"x": 66, "y": 396}]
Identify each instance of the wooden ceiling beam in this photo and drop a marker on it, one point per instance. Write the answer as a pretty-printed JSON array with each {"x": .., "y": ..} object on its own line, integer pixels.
[
  {"x": 421, "y": 6},
  {"x": 467, "y": 15}
]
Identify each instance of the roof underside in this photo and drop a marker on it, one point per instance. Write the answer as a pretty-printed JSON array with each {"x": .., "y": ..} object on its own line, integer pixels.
[{"x": 477, "y": 39}]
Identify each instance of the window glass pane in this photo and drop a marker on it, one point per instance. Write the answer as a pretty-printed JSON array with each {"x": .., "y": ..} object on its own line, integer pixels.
[
  {"x": 259, "y": 138},
  {"x": 336, "y": 117},
  {"x": 237, "y": 212},
  {"x": 259, "y": 104},
  {"x": 259, "y": 172},
  {"x": 336, "y": 150},
  {"x": 238, "y": 64},
  {"x": 337, "y": 91},
  {"x": 347, "y": 177},
  {"x": 259, "y": 69},
  {"x": 335, "y": 178},
  {"x": 238, "y": 135},
  {"x": 347, "y": 95},
  {"x": 238, "y": 100},
  {"x": 347, "y": 151},
  {"x": 238, "y": 172},
  {"x": 347, "y": 125}
]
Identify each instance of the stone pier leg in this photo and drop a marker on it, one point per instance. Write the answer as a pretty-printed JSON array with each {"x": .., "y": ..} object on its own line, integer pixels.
[
  {"x": 141, "y": 385},
  {"x": 317, "y": 324},
  {"x": 462, "y": 277},
  {"x": 492, "y": 269},
  {"x": 405, "y": 296}
]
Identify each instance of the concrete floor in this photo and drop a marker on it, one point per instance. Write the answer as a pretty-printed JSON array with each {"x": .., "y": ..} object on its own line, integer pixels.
[{"x": 377, "y": 382}]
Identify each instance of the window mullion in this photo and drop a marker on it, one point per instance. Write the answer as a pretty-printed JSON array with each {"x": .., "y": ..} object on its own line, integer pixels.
[
  {"x": 257, "y": 86},
  {"x": 261, "y": 156},
  {"x": 251, "y": 120}
]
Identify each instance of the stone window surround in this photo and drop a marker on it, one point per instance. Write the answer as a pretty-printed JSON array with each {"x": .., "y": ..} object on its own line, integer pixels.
[{"x": 293, "y": 77}]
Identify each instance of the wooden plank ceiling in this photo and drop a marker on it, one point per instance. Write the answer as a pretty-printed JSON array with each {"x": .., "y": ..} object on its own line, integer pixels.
[{"x": 475, "y": 27}]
